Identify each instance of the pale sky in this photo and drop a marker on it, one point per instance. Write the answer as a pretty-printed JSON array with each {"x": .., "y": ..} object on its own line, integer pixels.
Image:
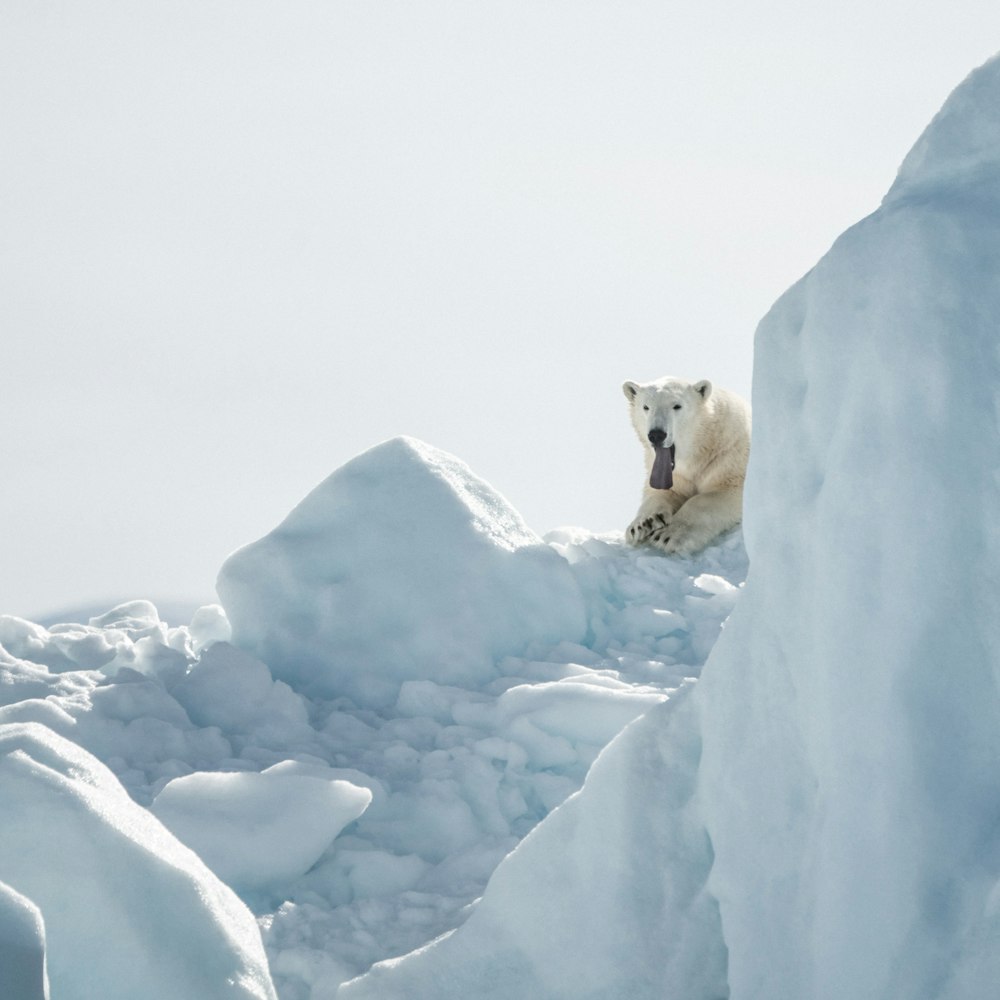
[{"x": 243, "y": 242}]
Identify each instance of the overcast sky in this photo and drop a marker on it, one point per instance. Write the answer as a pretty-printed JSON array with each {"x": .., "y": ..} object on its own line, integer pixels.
[{"x": 243, "y": 242}]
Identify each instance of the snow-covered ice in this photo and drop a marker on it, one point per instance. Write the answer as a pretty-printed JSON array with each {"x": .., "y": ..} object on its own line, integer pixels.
[
  {"x": 128, "y": 911},
  {"x": 444, "y": 758}
]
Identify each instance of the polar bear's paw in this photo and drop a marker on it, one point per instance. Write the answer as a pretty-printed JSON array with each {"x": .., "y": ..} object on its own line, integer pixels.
[
  {"x": 678, "y": 538},
  {"x": 642, "y": 528}
]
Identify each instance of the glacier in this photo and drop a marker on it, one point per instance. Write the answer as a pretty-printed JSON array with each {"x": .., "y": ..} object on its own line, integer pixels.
[{"x": 420, "y": 751}]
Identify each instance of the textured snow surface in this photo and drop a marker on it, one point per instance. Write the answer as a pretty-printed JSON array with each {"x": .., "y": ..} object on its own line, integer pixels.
[{"x": 631, "y": 847}]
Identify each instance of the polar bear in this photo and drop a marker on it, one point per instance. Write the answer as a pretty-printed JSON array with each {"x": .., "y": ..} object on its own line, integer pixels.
[{"x": 697, "y": 442}]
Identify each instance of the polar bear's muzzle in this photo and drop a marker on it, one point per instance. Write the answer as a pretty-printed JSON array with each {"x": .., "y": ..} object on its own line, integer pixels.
[{"x": 662, "y": 476}]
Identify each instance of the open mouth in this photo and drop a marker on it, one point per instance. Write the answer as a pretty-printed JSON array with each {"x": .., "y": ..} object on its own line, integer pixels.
[{"x": 662, "y": 476}]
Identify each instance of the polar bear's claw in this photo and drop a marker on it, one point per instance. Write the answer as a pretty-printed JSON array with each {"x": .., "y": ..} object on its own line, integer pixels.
[
  {"x": 641, "y": 528},
  {"x": 660, "y": 538}
]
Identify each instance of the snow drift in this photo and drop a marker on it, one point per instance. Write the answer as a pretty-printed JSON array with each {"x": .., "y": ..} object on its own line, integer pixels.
[
  {"x": 833, "y": 785},
  {"x": 402, "y": 565}
]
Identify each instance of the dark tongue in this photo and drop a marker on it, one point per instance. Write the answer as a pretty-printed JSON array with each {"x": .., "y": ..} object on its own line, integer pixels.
[{"x": 662, "y": 476}]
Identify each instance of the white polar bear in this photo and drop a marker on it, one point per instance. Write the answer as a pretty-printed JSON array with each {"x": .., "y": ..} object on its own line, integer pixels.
[{"x": 697, "y": 442}]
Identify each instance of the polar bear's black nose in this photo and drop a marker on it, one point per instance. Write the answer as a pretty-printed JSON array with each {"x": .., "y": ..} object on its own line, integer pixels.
[{"x": 656, "y": 437}]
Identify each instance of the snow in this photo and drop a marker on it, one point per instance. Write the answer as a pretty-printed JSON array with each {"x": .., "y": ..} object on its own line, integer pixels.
[
  {"x": 231, "y": 690},
  {"x": 441, "y": 757},
  {"x": 22, "y": 948}
]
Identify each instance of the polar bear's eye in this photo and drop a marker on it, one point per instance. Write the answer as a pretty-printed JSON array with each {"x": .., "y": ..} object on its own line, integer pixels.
[
  {"x": 677, "y": 406},
  {"x": 646, "y": 408}
]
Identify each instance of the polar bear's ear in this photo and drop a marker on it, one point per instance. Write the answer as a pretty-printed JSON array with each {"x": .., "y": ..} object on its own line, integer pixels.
[
  {"x": 703, "y": 388},
  {"x": 631, "y": 390}
]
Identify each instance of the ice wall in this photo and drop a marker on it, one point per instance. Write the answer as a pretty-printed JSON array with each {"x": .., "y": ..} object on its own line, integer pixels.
[{"x": 850, "y": 712}]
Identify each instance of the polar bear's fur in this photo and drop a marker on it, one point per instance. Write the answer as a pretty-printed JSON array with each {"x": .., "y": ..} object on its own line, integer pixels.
[{"x": 710, "y": 431}]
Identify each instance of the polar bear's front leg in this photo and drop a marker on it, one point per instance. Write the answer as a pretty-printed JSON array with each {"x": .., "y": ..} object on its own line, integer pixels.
[
  {"x": 699, "y": 521},
  {"x": 655, "y": 512}
]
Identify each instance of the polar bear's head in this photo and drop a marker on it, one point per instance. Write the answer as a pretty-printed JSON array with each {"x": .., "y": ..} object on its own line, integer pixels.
[{"x": 665, "y": 412}]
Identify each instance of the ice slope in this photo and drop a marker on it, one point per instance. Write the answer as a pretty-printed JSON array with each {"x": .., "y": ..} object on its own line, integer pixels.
[
  {"x": 841, "y": 753},
  {"x": 457, "y": 773}
]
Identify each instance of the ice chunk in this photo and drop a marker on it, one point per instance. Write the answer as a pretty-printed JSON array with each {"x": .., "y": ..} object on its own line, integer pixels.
[
  {"x": 582, "y": 712},
  {"x": 129, "y": 911},
  {"x": 257, "y": 831},
  {"x": 402, "y": 565},
  {"x": 209, "y": 624},
  {"x": 958, "y": 153},
  {"x": 27, "y": 641},
  {"x": 232, "y": 690},
  {"x": 136, "y": 617},
  {"x": 129, "y": 636},
  {"x": 23, "y": 974}
]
